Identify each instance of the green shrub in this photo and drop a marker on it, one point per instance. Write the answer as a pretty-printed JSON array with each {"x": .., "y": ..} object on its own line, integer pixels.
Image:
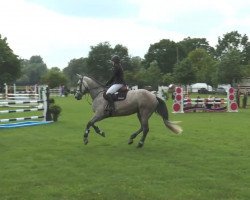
[{"x": 55, "y": 111}]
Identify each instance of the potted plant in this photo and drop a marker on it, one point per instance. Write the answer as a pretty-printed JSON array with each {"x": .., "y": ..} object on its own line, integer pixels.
[
  {"x": 55, "y": 111},
  {"x": 51, "y": 100}
]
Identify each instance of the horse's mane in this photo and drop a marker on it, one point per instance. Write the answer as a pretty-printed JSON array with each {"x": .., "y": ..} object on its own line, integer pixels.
[{"x": 95, "y": 80}]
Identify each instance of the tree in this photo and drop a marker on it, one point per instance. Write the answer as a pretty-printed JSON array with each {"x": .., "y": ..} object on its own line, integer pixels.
[
  {"x": 184, "y": 73},
  {"x": 246, "y": 70},
  {"x": 99, "y": 57},
  {"x": 32, "y": 71},
  {"x": 75, "y": 66},
  {"x": 10, "y": 68},
  {"x": 54, "y": 78},
  {"x": 190, "y": 44},
  {"x": 165, "y": 53},
  {"x": 121, "y": 51},
  {"x": 230, "y": 68},
  {"x": 234, "y": 41},
  {"x": 98, "y": 65},
  {"x": 135, "y": 64},
  {"x": 167, "y": 79},
  {"x": 153, "y": 75},
  {"x": 141, "y": 77},
  {"x": 204, "y": 66}
]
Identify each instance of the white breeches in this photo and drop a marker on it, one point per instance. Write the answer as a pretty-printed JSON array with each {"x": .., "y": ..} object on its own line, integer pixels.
[{"x": 114, "y": 88}]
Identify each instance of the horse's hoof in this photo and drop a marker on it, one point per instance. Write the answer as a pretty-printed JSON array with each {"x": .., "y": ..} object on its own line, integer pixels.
[
  {"x": 130, "y": 141},
  {"x": 102, "y": 134},
  {"x": 85, "y": 141},
  {"x": 140, "y": 145}
]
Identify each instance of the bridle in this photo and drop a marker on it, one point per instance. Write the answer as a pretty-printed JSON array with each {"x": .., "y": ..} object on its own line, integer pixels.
[
  {"x": 80, "y": 84},
  {"x": 80, "y": 91}
]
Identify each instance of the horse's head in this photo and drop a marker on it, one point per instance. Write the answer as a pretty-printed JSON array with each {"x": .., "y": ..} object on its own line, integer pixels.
[{"x": 82, "y": 88}]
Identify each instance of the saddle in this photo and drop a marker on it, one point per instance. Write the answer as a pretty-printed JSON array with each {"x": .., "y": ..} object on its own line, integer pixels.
[{"x": 120, "y": 95}]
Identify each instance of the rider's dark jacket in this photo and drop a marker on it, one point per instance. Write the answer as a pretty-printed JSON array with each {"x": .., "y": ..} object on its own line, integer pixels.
[{"x": 118, "y": 76}]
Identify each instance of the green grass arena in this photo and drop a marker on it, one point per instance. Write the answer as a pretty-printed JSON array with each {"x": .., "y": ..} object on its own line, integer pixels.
[{"x": 210, "y": 160}]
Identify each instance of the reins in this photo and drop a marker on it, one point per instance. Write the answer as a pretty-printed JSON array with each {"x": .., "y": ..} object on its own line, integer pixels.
[{"x": 87, "y": 99}]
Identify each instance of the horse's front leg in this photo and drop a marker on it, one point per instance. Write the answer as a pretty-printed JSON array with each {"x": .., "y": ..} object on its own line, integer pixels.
[
  {"x": 97, "y": 130},
  {"x": 86, "y": 133}
]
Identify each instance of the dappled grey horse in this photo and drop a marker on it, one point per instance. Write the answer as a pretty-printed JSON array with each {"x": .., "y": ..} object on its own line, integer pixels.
[{"x": 139, "y": 101}]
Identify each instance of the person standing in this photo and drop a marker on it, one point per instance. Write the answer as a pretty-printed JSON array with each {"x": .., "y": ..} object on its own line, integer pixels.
[{"x": 238, "y": 96}]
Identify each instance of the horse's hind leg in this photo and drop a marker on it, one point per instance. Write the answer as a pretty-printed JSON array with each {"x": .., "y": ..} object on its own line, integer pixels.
[
  {"x": 145, "y": 130},
  {"x": 134, "y": 135},
  {"x": 145, "y": 115}
]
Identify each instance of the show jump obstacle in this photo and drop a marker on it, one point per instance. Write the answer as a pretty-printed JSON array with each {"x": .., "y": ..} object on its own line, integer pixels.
[
  {"x": 184, "y": 104},
  {"x": 35, "y": 105}
]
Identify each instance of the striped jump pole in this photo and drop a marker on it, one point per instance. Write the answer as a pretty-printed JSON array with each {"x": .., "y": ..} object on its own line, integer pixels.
[
  {"x": 22, "y": 96},
  {"x": 20, "y": 110},
  {"x": 5, "y": 103},
  {"x": 21, "y": 119}
]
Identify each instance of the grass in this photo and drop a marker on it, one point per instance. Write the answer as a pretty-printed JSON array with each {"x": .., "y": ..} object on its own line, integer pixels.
[{"x": 210, "y": 160}]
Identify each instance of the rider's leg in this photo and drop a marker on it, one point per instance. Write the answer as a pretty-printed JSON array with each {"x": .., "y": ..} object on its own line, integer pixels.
[
  {"x": 114, "y": 88},
  {"x": 111, "y": 103}
]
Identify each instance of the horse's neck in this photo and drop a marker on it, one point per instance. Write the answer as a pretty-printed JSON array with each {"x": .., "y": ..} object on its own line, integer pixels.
[
  {"x": 94, "y": 88},
  {"x": 95, "y": 92}
]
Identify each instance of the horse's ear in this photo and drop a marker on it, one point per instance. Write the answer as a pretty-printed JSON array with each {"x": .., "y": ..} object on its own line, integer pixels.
[{"x": 79, "y": 76}]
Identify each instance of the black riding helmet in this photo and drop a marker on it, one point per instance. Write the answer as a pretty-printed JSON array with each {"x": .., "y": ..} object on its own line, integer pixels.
[{"x": 116, "y": 59}]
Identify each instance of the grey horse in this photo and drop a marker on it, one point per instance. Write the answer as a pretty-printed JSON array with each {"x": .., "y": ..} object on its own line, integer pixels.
[{"x": 141, "y": 101}]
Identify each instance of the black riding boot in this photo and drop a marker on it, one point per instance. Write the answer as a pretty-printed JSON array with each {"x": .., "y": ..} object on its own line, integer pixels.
[{"x": 111, "y": 105}]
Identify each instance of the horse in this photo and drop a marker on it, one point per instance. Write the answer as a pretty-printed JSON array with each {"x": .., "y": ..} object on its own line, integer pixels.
[{"x": 141, "y": 101}]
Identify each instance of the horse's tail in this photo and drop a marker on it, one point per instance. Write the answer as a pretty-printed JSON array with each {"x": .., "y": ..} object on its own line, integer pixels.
[{"x": 162, "y": 110}]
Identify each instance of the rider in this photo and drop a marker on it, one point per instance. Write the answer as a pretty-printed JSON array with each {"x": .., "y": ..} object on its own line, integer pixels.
[{"x": 116, "y": 81}]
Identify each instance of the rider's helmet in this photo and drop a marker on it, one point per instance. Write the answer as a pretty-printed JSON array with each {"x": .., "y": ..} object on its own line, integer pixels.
[{"x": 116, "y": 59}]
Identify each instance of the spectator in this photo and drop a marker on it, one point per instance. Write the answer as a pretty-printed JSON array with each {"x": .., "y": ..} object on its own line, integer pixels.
[
  {"x": 244, "y": 100},
  {"x": 62, "y": 91},
  {"x": 238, "y": 96}
]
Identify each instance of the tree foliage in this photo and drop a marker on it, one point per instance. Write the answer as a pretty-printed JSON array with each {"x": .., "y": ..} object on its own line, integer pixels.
[
  {"x": 165, "y": 53},
  {"x": 135, "y": 65},
  {"x": 204, "y": 66},
  {"x": 230, "y": 68},
  {"x": 99, "y": 57},
  {"x": 54, "y": 78},
  {"x": 185, "y": 62},
  {"x": 75, "y": 66},
  {"x": 98, "y": 65},
  {"x": 234, "y": 41},
  {"x": 190, "y": 44},
  {"x": 184, "y": 73},
  {"x": 32, "y": 71},
  {"x": 153, "y": 75},
  {"x": 10, "y": 68}
]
